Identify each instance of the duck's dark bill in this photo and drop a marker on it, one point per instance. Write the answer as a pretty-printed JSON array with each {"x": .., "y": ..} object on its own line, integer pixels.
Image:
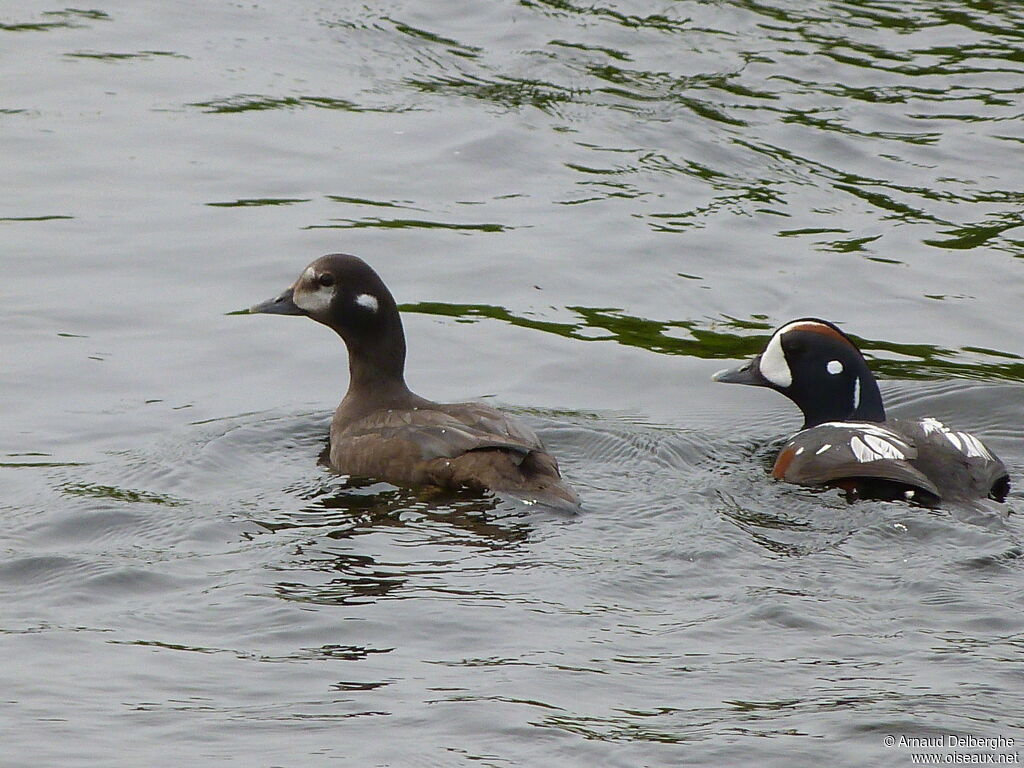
[
  {"x": 747, "y": 373},
  {"x": 282, "y": 305}
]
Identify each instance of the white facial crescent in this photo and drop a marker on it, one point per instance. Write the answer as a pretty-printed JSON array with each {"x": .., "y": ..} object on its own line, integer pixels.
[
  {"x": 316, "y": 299},
  {"x": 773, "y": 362}
]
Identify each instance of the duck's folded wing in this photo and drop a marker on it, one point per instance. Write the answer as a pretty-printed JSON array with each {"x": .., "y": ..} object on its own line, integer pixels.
[
  {"x": 843, "y": 450},
  {"x": 447, "y": 431},
  {"x": 961, "y": 463}
]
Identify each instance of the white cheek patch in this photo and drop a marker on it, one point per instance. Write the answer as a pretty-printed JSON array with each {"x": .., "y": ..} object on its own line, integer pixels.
[
  {"x": 834, "y": 367},
  {"x": 773, "y": 362},
  {"x": 314, "y": 302},
  {"x": 367, "y": 301}
]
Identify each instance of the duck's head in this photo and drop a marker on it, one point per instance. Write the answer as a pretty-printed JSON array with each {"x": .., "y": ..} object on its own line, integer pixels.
[
  {"x": 345, "y": 294},
  {"x": 337, "y": 290},
  {"x": 819, "y": 368}
]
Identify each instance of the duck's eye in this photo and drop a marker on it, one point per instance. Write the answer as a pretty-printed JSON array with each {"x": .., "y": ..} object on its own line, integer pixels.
[{"x": 326, "y": 279}]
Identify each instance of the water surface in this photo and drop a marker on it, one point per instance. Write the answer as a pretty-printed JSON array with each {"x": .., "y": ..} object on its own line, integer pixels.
[{"x": 585, "y": 210}]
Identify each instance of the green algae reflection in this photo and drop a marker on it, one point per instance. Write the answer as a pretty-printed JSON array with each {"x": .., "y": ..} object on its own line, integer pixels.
[
  {"x": 119, "y": 494},
  {"x": 729, "y": 338}
]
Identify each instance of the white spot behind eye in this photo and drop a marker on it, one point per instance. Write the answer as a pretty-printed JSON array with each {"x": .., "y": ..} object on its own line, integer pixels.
[
  {"x": 834, "y": 367},
  {"x": 773, "y": 362},
  {"x": 367, "y": 301}
]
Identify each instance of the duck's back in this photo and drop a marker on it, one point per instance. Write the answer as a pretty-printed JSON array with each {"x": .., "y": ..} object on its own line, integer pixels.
[
  {"x": 960, "y": 465},
  {"x": 449, "y": 445}
]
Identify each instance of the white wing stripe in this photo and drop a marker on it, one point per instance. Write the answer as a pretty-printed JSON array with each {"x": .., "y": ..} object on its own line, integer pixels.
[
  {"x": 974, "y": 447},
  {"x": 868, "y": 447}
]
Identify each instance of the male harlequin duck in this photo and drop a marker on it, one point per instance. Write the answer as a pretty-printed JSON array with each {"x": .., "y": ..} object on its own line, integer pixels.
[
  {"x": 381, "y": 429},
  {"x": 846, "y": 440}
]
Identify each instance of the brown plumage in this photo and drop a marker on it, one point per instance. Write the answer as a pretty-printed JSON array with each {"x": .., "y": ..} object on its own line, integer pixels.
[{"x": 383, "y": 430}]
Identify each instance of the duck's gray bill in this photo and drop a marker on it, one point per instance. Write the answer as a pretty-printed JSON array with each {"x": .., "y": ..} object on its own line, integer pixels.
[
  {"x": 747, "y": 373},
  {"x": 282, "y": 305}
]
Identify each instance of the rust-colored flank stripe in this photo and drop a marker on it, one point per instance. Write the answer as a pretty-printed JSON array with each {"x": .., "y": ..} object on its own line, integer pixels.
[{"x": 782, "y": 463}]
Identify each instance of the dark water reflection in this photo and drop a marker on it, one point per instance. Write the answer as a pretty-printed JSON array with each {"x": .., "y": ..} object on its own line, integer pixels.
[{"x": 529, "y": 176}]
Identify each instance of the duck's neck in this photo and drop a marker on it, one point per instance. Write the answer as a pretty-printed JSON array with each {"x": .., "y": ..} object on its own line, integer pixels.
[
  {"x": 376, "y": 365},
  {"x": 867, "y": 400},
  {"x": 864, "y": 404}
]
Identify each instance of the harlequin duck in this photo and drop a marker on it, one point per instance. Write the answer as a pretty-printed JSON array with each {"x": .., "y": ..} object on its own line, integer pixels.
[
  {"x": 384, "y": 431},
  {"x": 846, "y": 440}
]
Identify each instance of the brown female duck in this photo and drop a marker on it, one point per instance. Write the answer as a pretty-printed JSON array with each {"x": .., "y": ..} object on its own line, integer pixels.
[{"x": 383, "y": 430}]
